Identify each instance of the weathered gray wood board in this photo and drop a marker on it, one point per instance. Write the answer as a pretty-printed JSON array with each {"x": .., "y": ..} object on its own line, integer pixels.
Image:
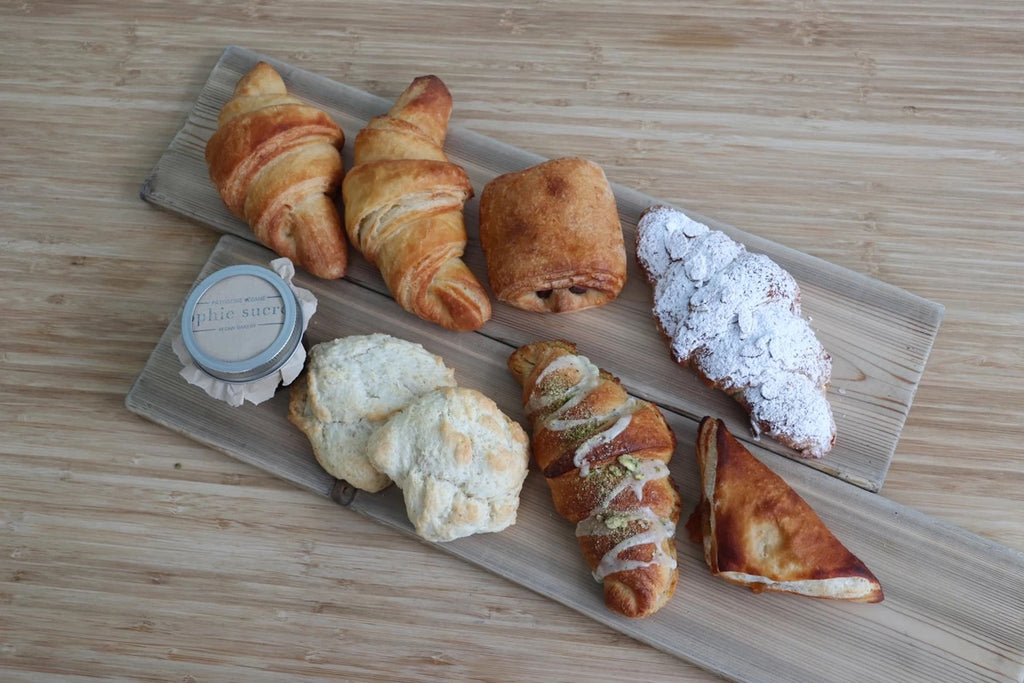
[
  {"x": 879, "y": 336},
  {"x": 954, "y": 607}
]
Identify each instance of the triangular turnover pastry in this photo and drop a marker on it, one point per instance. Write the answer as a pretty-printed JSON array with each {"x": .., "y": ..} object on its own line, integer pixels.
[{"x": 758, "y": 532}]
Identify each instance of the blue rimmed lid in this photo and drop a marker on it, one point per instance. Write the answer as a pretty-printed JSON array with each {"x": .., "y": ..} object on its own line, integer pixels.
[{"x": 241, "y": 323}]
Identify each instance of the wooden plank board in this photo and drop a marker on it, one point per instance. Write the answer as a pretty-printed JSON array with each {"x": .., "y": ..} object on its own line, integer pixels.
[
  {"x": 879, "y": 336},
  {"x": 954, "y": 607}
]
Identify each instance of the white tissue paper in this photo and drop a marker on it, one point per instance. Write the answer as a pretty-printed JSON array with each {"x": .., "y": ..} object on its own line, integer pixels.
[{"x": 259, "y": 390}]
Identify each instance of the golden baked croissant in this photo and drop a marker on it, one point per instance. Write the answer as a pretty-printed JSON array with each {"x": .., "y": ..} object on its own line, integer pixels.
[
  {"x": 604, "y": 455},
  {"x": 275, "y": 161},
  {"x": 403, "y": 209}
]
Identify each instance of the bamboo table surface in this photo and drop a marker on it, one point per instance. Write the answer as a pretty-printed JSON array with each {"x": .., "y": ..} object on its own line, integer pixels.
[{"x": 881, "y": 138}]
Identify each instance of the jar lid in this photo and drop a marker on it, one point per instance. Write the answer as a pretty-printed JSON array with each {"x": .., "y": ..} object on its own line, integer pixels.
[{"x": 241, "y": 323}]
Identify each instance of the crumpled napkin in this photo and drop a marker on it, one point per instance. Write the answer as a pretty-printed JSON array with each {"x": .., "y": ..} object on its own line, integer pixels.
[{"x": 259, "y": 390}]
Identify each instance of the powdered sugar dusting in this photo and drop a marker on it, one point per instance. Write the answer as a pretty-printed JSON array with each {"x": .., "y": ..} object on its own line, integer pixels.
[
  {"x": 684, "y": 275},
  {"x": 735, "y": 317},
  {"x": 672, "y": 244}
]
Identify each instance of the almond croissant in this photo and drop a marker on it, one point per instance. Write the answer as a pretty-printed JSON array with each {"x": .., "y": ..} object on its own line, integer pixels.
[
  {"x": 734, "y": 317},
  {"x": 404, "y": 209},
  {"x": 604, "y": 455},
  {"x": 275, "y": 161}
]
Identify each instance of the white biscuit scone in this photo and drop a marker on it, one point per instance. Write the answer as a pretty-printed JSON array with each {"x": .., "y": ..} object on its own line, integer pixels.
[
  {"x": 351, "y": 386},
  {"x": 459, "y": 461}
]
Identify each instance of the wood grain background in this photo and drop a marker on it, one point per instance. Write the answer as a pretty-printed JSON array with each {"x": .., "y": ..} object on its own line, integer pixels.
[{"x": 880, "y": 137}]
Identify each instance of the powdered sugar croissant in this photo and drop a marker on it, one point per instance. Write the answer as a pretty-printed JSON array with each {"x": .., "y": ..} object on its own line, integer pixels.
[
  {"x": 604, "y": 455},
  {"x": 735, "y": 318},
  {"x": 275, "y": 161},
  {"x": 404, "y": 209}
]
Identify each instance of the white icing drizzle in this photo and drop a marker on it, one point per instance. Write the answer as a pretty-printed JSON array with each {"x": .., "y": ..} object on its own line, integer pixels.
[
  {"x": 634, "y": 477},
  {"x": 607, "y": 435},
  {"x": 657, "y": 532},
  {"x": 589, "y": 376},
  {"x": 735, "y": 317},
  {"x": 647, "y": 470},
  {"x": 556, "y": 423}
]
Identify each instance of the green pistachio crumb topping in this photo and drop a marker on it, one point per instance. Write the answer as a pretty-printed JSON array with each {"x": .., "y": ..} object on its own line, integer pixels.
[
  {"x": 629, "y": 462},
  {"x": 615, "y": 521}
]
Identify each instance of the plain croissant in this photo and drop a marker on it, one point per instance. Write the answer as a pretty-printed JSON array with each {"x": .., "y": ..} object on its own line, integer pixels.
[
  {"x": 275, "y": 161},
  {"x": 604, "y": 455},
  {"x": 404, "y": 209}
]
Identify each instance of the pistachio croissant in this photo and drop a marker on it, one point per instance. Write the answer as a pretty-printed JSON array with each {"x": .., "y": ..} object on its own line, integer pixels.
[
  {"x": 404, "y": 209},
  {"x": 604, "y": 455},
  {"x": 275, "y": 161}
]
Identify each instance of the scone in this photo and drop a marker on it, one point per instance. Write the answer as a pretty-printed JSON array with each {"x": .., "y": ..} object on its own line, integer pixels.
[
  {"x": 551, "y": 237},
  {"x": 351, "y": 386},
  {"x": 459, "y": 461}
]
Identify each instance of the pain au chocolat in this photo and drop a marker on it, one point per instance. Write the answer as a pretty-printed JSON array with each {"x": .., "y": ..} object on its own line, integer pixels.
[{"x": 551, "y": 237}]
